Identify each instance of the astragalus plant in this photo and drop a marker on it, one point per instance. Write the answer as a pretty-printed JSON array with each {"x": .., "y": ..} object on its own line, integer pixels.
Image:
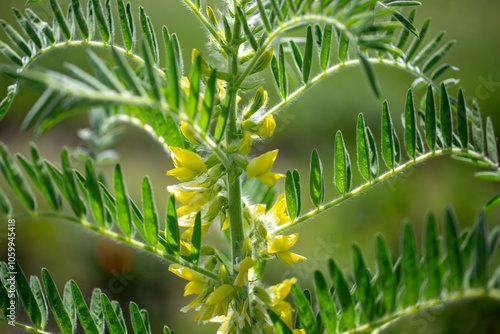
[{"x": 207, "y": 115}]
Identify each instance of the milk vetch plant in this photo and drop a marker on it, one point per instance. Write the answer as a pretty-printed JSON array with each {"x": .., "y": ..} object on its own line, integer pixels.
[{"x": 207, "y": 115}]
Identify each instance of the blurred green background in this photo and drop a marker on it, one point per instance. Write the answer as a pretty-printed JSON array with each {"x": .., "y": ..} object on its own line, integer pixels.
[{"x": 70, "y": 252}]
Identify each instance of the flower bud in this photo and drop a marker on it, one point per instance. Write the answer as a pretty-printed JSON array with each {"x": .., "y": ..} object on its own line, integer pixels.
[
  {"x": 223, "y": 275},
  {"x": 211, "y": 263},
  {"x": 215, "y": 208},
  {"x": 264, "y": 61},
  {"x": 259, "y": 100},
  {"x": 188, "y": 133},
  {"x": 205, "y": 68},
  {"x": 246, "y": 249},
  {"x": 240, "y": 161}
]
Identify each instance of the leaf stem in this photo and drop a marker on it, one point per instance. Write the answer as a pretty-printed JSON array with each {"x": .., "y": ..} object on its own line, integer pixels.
[{"x": 379, "y": 179}]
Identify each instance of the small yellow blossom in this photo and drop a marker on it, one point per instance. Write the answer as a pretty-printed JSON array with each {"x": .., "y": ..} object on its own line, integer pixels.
[
  {"x": 188, "y": 221},
  {"x": 225, "y": 223},
  {"x": 277, "y": 212},
  {"x": 284, "y": 311},
  {"x": 241, "y": 314},
  {"x": 188, "y": 164},
  {"x": 182, "y": 196},
  {"x": 220, "y": 298},
  {"x": 242, "y": 269},
  {"x": 259, "y": 167},
  {"x": 267, "y": 127},
  {"x": 195, "y": 205},
  {"x": 197, "y": 281},
  {"x": 245, "y": 145},
  {"x": 281, "y": 290},
  {"x": 188, "y": 133},
  {"x": 185, "y": 85},
  {"x": 281, "y": 244}
]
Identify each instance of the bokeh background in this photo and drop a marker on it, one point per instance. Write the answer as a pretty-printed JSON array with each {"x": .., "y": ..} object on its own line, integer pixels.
[{"x": 70, "y": 252}]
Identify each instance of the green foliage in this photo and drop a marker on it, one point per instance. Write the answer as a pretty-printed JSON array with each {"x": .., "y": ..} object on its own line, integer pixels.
[{"x": 195, "y": 112}]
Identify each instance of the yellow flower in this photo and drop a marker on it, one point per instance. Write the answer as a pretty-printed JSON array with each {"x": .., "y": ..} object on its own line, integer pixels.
[
  {"x": 267, "y": 127},
  {"x": 188, "y": 221},
  {"x": 195, "y": 205},
  {"x": 220, "y": 298},
  {"x": 182, "y": 196},
  {"x": 277, "y": 212},
  {"x": 225, "y": 223},
  {"x": 185, "y": 85},
  {"x": 259, "y": 167},
  {"x": 242, "y": 269},
  {"x": 188, "y": 164},
  {"x": 245, "y": 145},
  {"x": 281, "y": 290},
  {"x": 188, "y": 133},
  {"x": 284, "y": 311},
  {"x": 281, "y": 244},
  {"x": 197, "y": 281}
]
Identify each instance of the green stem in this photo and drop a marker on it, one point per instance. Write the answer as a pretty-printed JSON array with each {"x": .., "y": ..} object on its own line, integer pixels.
[{"x": 118, "y": 237}]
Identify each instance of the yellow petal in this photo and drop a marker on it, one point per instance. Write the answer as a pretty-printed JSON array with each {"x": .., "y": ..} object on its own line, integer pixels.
[
  {"x": 281, "y": 243},
  {"x": 267, "y": 127},
  {"x": 188, "y": 133},
  {"x": 277, "y": 212},
  {"x": 244, "y": 265},
  {"x": 284, "y": 311},
  {"x": 183, "y": 174},
  {"x": 245, "y": 145},
  {"x": 289, "y": 257},
  {"x": 262, "y": 164},
  {"x": 282, "y": 289},
  {"x": 220, "y": 294},
  {"x": 186, "y": 273},
  {"x": 269, "y": 179},
  {"x": 183, "y": 197},
  {"x": 193, "y": 288},
  {"x": 225, "y": 225},
  {"x": 188, "y": 159},
  {"x": 185, "y": 85}
]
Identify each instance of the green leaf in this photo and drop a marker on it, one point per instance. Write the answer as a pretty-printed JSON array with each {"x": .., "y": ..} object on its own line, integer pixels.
[
  {"x": 56, "y": 304},
  {"x": 69, "y": 305},
  {"x": 15, "y": 178},
  {"x": 480, "y": 262},
  {"x": 463, "y": 126},
  {"x": 446, "y": 118},
  {"x": 306, "y": 69},
  {"x": 127, "y": 73},
  {"x": 101, "y": 20},
  {"x": 405, "y": 33},
  {"x": 490, "y": 176},
  {"x": 343, "y": 47},
  {"x": 83, "y": 311},
  {"x": 296, "y": 182},
  {"x": 325, "y": 47},
  {"x": 410, "y": 267},
  {"x": 36, "y": 288},
  {"x": 432, "y": 259},
  {"x": 388, "y": 282},
  {"x": 196, "y": 239},
  {"x": 304, "y": 310},
  {"x": 342, "y": 175},
  {"x": 149, "y": 33},
  {"x": 12, "y": 55},
  {"x": 410, "y": 126},
  {"x": 173, "y": 74},
  {"x": 27, "y": 297},
  {"x": 123, "y": 210},
  {"x": 438, "y": 55},
  {"x": 156, "y": 87},
  {"x": 61, "y": 20},
  {"x": 428, "y": 49},
  {"x": 430, "y": 119},
  {"x": 124, "y": 24},
  {"x": 297, "y": 56},
  {"x": 96, "y": 310},
  {"x": 277, "y": 10},
  {"x": 370, "y": 73},
  {"x": 105, "y": 75},
  {"x": 325, "y": 302},
  {"x": 41, "y": 25},
  {"x": 491, "y": 142},
  {"x": 363, "y": 149},
  {"x": 137, "y": 322},
  {"x": 417, "y": 41},
  {"x": 363, "y": 284},
  {"x": 224, "y": 115},
  {"x": 290, "y": 196},
  {"x": 374, "y": 168},
  {"x": 282, "y": 73},
  {"x": 454, "y": 256},
  {"x": 316, "y": 180},
  {"x": 477, "y": 129},
  {"x": 28, "y": 28},
  {"x": 70, "y": 184},
  {"x": 207, "y": 106},
  {"x": 80, "y": 18},
  {"x": 172, "y": 234},
  {"x": 407, "y": 23},
  {"x": 112, "y": 319},
  {"x": 46, "y": 185},
  {"x": 94, "y": 190},
  {"x": 5, "y": 206},
  {"x": 194, "y": 89},
  {"x": 343, "y": 294},
  {"x": 15, "y": 37},
  {"x": 169, "y": 130},
  {"x": 150, "y": 212},
  {"x": 388, "y": 145},
  {"x": 263, "y": 16},
  {"x": 276, "y": 72},
  {"x": 247, "y": 30},
  {"x": 280, "y": 326}
]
